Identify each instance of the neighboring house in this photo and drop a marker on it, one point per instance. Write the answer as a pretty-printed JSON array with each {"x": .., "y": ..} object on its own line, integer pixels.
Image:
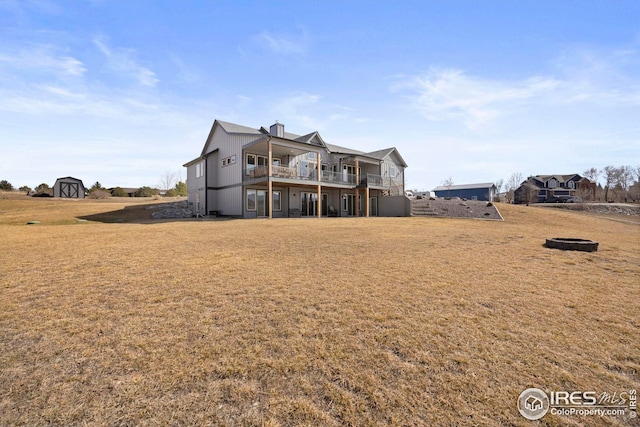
[
  {"x": 69, "y": 187},
  {"x": 539, "y": 188},
  {"x": 483, "y": 191},
  {"x": 247, "y": 172}
]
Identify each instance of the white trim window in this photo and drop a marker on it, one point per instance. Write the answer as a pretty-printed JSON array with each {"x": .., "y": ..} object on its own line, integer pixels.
[
  {"x": 255, "y": 160},
  {"x": 250, "y": 163},
  {"x": 251, "y": 199},
  {"x": 199, "y": 169},
  {"x": 277, "y": 201}
]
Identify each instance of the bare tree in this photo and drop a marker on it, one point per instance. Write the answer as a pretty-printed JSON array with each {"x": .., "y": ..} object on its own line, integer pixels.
[
  {"x": 610, "y": 174},
  {"x": 499, "y": 183},
  {"x": 168, "y": 180},
  {"x": 592, "y": 174},
  {"x": 512, "y": 184},
  {"x": 448, "y": 183},
  {"x": 625, "y": 179}
]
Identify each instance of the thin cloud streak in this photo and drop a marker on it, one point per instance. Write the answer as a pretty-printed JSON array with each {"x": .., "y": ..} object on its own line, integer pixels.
[
  {"x": 450, "y": 94},
  {"x": 44, "y": 59},
  {"x": 283, "y": 44},
  {"x": 121, "y": 61}
]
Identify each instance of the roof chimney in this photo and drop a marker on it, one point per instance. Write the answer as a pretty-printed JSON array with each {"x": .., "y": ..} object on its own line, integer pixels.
[{"x": 277, "y": 129}]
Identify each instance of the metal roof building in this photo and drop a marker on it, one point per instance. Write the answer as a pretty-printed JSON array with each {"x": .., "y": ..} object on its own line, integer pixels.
[{"x": 481, "y": 191}]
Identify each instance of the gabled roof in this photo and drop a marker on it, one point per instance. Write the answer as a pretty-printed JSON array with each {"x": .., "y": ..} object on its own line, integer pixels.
[
  {"x": 71, "y": 178},
  {"x": 381, "y": 154},
  {"x": 465, "y": 186},
  {"x": 558, "y": 177},
  {"x": 378, "y": 155},
  {"x": 310, "y": 137},
  {"x": 343, "y": 150},
  {"x": 234, "y": 128}
]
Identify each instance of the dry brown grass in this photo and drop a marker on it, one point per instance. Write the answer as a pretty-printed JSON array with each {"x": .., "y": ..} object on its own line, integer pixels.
[{"x": 379, "y": 321}]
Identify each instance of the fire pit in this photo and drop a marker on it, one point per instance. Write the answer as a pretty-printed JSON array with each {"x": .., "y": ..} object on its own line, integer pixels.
[{"x": 571, "y": 244}]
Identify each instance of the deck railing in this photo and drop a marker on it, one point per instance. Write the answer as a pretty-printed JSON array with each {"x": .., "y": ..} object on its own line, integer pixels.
[
  {"x": 372, "y": 180},
  {"x": 338, "y": 177},
  {"x": 287, "y": 172},
  {"x": 279, "y": 172}
]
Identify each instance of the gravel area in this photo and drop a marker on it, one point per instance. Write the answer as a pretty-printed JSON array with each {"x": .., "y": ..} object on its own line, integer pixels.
[
  {"x": 598, "y": 208},
  {"x": 173, "y": 210},
  {"x": 462, "y": 208}
]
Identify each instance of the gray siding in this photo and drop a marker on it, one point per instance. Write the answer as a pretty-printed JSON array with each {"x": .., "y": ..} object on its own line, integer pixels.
[
  {"x": 228, "y": 146},
  {"x": 230, "y": 201},
  {"x": 225, "y": 190},
  {"x": 76, "y": 190},
  {"x": 394, "y": 206},
  {"x": 196, "y": 187}
]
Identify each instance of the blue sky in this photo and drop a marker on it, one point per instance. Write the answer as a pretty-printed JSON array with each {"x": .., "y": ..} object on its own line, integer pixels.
[{"x": 124, "y": 92}]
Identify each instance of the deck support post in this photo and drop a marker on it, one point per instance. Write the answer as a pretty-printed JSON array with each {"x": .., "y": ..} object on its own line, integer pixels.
[
  {"x": 357, "y": 191},
  {"x": 269, "y": 183},
  {"x": 319, "y": 172},
  {"x": 319, "y": 201},
  {"x": 366, "y": 203}
]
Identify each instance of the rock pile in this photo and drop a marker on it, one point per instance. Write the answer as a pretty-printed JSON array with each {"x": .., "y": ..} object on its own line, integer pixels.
[{"x": 173, "y": 210}]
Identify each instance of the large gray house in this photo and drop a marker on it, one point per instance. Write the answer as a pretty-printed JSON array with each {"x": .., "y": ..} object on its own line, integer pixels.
[
  {"x": 247, "y": 172},
  {"x": 542, "y": 188}
]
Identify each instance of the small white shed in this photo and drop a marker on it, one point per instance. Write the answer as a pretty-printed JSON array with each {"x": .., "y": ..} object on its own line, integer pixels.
[{"x": 69, "y": 188}]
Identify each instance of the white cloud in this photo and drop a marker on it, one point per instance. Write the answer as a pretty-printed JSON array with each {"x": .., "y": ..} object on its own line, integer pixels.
[
  {"x": 451, "y": 94},
  {"x": 122, "y": 61},
  {"x": 43, "y": 59},
  {"x": 583, "y": 79},
  {"x": 284, "y": 44}
]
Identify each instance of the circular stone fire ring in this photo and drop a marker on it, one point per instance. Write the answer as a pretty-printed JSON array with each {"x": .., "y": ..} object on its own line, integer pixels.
[{"x": 571, "y": 244}]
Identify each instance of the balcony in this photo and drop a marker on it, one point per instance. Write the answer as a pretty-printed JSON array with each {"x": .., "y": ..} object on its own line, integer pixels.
[
  {"x": 377, "y": 181},
  {"x": 294, "y": 175},
  {"x": 297, "y": 176},
  {"x": 338, "y": 178}
]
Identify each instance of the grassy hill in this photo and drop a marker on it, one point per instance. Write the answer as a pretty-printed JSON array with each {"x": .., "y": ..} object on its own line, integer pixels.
[{"x": 122, "y": 320}]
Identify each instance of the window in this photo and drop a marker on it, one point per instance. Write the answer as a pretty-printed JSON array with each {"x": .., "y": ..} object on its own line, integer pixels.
[
  {"x": 199, "y": 169},
  {"x": 254, "y": 160},
  {"x": 392, "y": 171},
  {"x": 253, "y": 195},
  {"x": 553, "y": 183},
  {"x": 571, "y": 184},
  {"x": 277, "y": 201},
  {"x": 251, "y": 162},
  {"x": 251, "y": 199}
]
